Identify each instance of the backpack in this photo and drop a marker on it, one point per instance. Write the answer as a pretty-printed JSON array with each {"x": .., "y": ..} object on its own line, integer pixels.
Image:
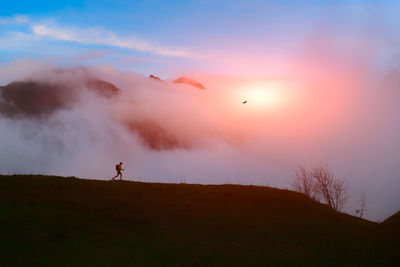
[{"x": 117, "y": 167}]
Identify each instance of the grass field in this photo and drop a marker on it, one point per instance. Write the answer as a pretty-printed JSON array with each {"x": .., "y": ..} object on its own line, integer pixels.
[{"x": 57, "y": 221}]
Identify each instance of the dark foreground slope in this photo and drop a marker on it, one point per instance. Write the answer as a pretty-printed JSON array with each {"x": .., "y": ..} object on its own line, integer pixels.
[
  {"x": 391, "y": 230},
  {"x": 66, "y": 221}
]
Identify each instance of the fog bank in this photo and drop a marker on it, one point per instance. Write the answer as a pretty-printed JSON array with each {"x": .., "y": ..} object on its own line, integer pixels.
[{"x": 81, "y": 121}]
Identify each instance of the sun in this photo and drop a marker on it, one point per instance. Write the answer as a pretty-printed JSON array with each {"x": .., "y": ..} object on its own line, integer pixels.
[
  {"x": 264, "y": 95},
  {"x": 267, "y": 96}
]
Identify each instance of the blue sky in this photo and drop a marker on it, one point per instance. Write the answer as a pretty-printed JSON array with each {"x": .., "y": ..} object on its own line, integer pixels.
[{"x": 168, "y": 37}]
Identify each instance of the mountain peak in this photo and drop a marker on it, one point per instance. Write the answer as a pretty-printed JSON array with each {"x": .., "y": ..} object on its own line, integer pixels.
[
  {"x": 191, "y": 82},
  {"x": 151, "y": 76}
]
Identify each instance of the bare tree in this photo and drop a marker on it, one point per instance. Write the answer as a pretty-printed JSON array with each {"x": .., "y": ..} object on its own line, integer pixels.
[
  {"x": 363, "y": 206},
  {"x": 340, "y": 194},
  {"x": 333, "y": 191},
  {"x": 320, "y": 184},
  {"x": 304, "y": 183}
]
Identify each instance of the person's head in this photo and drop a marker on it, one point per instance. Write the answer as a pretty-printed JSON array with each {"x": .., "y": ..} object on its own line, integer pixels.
[{"x": 120, "y": 163}]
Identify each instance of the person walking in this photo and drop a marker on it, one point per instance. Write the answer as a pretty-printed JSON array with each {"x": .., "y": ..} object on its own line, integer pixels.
[{"x": 119, "y": 169}]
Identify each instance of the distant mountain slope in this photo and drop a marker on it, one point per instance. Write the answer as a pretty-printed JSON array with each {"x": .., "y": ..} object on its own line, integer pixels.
[
  {"x": 67, "y": 221},
  {"x": 38, "y": 98},
  {"x": 103, "y": 88},
  {"x": 191, "y": 82},
  {"x": 155, "y": 137},
  {"x": 156, "y": 78},
  {"x": 180, "y": 80}
]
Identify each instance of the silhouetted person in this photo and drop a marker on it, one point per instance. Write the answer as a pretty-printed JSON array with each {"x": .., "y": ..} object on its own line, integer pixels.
[{"x": 119, "y": 169}]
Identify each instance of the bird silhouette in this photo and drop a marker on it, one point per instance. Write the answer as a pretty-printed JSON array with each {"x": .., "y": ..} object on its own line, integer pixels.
[{"x": 244, "y": 102}]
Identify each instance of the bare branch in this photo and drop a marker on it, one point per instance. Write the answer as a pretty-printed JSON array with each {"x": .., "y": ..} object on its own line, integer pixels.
[
  {"x": 320, "y": 184},
  {"x": 363, "y": 206},
  {"x": 304, "y": 183}
]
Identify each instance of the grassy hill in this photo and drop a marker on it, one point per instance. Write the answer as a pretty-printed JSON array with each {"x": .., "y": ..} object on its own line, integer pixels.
[
  {"x": 391, "y": 231},
  {"x": 56, "y": 221},
  {"x": 393, "y": 220}
]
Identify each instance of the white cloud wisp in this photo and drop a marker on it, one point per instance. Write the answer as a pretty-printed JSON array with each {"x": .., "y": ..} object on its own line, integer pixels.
[{"x": 90, "y": 36}]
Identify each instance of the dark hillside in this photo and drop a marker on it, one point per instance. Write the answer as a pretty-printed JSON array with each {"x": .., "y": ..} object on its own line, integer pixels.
[
  {"x": 393, "y": 220},
  {"x": 390, "y": 236},
  {"x": 67, "y": 221}
]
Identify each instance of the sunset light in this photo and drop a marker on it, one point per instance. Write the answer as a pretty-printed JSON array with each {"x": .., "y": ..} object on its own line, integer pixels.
[{"x": 266, "y": 95}]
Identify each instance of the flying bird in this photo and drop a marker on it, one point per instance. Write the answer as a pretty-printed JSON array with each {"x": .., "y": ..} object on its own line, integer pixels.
[{"x": 244, "y": 102}]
